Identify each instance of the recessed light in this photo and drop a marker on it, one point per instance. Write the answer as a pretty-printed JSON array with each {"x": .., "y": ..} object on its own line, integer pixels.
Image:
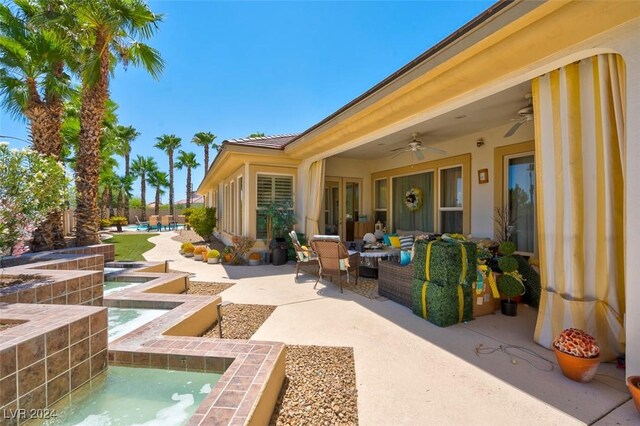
[{"x": 460, "y": 116}]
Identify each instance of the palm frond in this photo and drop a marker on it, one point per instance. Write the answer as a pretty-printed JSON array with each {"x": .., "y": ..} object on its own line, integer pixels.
[{"x": 148, "y": 57}]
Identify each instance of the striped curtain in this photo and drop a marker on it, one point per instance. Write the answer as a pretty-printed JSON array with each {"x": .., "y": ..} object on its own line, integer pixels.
[
  {"x": 579, "y": 122},
  {"x": 315, "y": 193}
]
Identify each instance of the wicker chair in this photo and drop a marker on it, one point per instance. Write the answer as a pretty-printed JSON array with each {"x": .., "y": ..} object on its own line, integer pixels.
[
  {"x": 334, "y": 259},
  {"x": 304, "y": 256}
]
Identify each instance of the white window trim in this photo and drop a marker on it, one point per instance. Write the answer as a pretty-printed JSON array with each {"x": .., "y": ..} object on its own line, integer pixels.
[
  {"x": 505, "y": 194},
  {"x": 448, "y": 209},
  {"x": 390, "y": 217}
]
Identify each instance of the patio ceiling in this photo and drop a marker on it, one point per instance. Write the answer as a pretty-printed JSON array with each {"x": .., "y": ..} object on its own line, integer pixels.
[{"x": 490, "y": 112}]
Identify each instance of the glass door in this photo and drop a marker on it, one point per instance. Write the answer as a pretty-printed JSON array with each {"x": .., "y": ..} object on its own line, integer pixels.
[
  {"x": 351, "y": 207},
  {"x": 342, "y": 198},
  {"x": 520, "y": 190},
  {"x": 332, "y": 222}
]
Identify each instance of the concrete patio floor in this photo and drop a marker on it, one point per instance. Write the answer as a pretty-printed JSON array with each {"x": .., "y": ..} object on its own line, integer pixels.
[{"x": 411, "y": 372}]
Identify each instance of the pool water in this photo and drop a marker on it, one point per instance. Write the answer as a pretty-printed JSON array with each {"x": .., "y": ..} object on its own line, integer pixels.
[
  {"x": 114, "y": 286},
  {"x": 125, "y": 320},
  {"x": 136, "y": 396}
]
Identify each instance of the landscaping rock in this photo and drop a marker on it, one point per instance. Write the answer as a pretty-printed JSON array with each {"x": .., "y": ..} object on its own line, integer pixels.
[
  {"x": 205, "y": 288},
  {"x": 241, "y": 321},
  {"x": 319, "y": 388}
]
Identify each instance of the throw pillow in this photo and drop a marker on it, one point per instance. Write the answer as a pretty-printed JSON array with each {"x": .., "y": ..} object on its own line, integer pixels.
[
  {"x": 406, "y": 242},
  {"x": 385, "y": 237},
  {"x": 395, "y": 241},
  {"x": 405, "y": 257}
]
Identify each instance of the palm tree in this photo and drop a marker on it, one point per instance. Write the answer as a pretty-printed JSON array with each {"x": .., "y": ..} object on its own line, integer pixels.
[
  {"x": 33, "y": 84},
  {"x": 141, "y": 167},
  {"x": 187, "y": 160},
  {"x": 108, "y": 32},
  {"x": 169, "y": 143},
  {"x": 126, "y": 135},
  {"x": 124, "y": 190},
  {"x": 256, "y": 135},
  {"x": 158, "y": 180},
  {"x": 204, "y": 139}
]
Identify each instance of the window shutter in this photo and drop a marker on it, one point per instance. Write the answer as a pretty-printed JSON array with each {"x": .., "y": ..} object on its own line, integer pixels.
[
  {"x": 274, "y": 188},
  {"x": 283, "y": 189},
  {"x": 265, "y": 191}
]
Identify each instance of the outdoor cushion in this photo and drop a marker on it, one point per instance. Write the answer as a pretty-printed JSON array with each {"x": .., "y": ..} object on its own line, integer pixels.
[
  {"x": 385, "y": 237},
  {"x": 395, "y": 241},
  {"x": 406, "y": 242}
]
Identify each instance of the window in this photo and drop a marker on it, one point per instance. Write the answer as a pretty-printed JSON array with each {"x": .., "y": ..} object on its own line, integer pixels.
[
  {"x": 232, "y": 208},
  {"x": 225, "y": 206},
  {"x": 520, "y": 181},
  {"x": 271, "y": 189},
  {"x": 451, "y": 200},
  {"x": 381, "y": 194},
  {"x": 404, "y": 218}
]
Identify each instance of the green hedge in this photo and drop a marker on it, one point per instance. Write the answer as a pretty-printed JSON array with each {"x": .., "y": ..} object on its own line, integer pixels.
[
  {"x": 446, "y": 261},
  {"x": 442, "y": 302}
]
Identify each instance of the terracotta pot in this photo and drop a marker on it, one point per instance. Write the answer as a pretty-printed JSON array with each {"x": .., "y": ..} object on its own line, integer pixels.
[
  {"x": 633, "y": 382},
  {"x": 228, "y": 258},
  {"x": 576, "y": 368}
]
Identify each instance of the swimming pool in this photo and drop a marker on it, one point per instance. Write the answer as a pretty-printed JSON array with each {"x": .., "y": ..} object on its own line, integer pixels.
[{"x": 125, "y": 320}]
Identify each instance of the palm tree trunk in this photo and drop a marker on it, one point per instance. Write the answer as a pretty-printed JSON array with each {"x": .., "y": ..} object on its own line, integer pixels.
[
  {"x": 121, "y": 204},
  {"x": 110, "y": 201},
  {"x": 127, "y": 172},
  {"x": 171, "y": 183},
  {"x": 157, "y": 206},
  {"x": 143, "y": 197},
  {"x": 188, "y": 187},
  {"x": 206, "y": 158},
  {"x": 88, "y": 165}
]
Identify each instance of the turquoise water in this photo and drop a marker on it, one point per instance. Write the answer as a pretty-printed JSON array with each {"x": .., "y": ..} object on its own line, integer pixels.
[
  {"x": 144, "y": 228},
  {"x": 125, "y": 320},
  {"x": 136, "y": 396},
  {"x": 113, "y": 286}
]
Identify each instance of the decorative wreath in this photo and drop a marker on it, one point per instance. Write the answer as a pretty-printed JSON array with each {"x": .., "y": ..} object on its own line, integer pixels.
[{"x": 413, "y": 199}]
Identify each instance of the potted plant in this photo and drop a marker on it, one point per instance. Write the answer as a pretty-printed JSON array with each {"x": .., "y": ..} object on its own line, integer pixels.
[
  {"x": 578, "y": 354},
  {"x": 213, "y": 256},
  {"x": 633, "y": 382},
  {"x": 510, "y": 282},
  {"x": 197, "y": 252},
  {"x": 280, "y": 220},
  {"x": 241, "y": 246},
  {"x": 183, "y": 245},
  {"x": 188, "y": 250},
  {"x": 227, "y": 253},
  {"x": 118, "y": 221},
  {"x": 254, "y": 258}
]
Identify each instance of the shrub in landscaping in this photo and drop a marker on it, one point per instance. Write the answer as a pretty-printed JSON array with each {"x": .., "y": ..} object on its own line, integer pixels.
[
  {"x": 105, "y": 223},
  {"x": 188, "y": 248},
  {"x": 509, "y": 286},
  {"x": 506, "y": 248},
  {"x": 203, "y": 221},
  {"x": 199, "y": 250},
  {"x": 185, "y": 244},
  {"x": 255, "y": 256},
  {"x": 213, "y": 254},
  {"x": 507, "y": 264}
]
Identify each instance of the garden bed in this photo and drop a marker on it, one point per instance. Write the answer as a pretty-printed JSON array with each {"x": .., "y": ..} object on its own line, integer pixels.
[
  {"x": 205, "y": 288},
  {"x": 319, "y": 388},
  {"x": 5, "y": 326},
  {"x": 10, "y": 280},
  {"x": 241, "y": 321}
]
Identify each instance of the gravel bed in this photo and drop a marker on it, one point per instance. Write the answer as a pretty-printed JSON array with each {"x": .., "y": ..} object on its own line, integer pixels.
[
  {"x": 319, "y": 388},
  {"x": 206, "y": 288},
  {"x": 241, "y": 321},
  {"x": 190, "y": 236},
  {"x": 6, "y": 326}
]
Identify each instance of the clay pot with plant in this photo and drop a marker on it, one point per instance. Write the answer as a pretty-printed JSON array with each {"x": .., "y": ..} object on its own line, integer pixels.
[
  {"x": 183, "y": 245},
  {"x": 633, "y": 383},
  {"x": 227, "y": 254},
  {"x": 578, "y": 354},
  {"x": 188, "y": 249},
  {"x": 213, "y": 257},
  {"x": 254, "y": 258},
  {"x": 510, "y": 282},
  {"x": 197, "y": 252}
]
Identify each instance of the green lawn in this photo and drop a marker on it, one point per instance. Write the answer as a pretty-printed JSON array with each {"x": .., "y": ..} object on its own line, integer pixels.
[{"x": 131, "y": 247}]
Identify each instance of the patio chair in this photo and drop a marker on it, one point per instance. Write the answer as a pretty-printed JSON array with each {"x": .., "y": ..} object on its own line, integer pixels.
[
  {"x": 141, "y": 225},
  {"x": 334, "y": 258},
  {"x": 153, "y": 224},
  {"x": 304, "y": 255}
]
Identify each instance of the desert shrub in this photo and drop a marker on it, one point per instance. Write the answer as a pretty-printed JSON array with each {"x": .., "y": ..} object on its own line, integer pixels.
[
  {"x": 213, "y": 254},
  {"x": 203, "y": 221},
  {"x": 119, "y": 220},
  {"x": 105, "y": 223},
  {"x": 188, "y": 248},
  {"x": 255, "y": 256},
  {"x": 199, "y": 249}
]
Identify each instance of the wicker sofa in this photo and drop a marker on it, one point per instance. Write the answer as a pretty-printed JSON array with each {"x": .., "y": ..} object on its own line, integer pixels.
[{"x": 394, "y": 281}]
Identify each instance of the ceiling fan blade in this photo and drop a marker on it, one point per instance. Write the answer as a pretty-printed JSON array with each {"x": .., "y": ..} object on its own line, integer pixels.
[
  {"x": 419, "y": 154},
  {"x": 513, "y": 129},
  {"x": 397, "y": 153},
  {"x": 398, "y": 149},
  {"x": 438, "y": 150}
]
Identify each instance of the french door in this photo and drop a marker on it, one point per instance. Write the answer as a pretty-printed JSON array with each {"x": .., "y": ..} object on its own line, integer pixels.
[{"x": 342, "y": 205}]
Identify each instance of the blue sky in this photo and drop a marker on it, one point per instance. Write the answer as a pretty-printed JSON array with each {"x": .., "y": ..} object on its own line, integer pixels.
[{"x": 238, "y": 67}]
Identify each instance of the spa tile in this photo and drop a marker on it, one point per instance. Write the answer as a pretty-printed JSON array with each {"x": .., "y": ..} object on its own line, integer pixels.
[
  {"x": 31, "y": 377},
  {"x": 229, "y": 399},
  {"x": 34, "y": 400},
  {"x": 80, "y": 374},
  {"x": 7, "y": 362},
  {"x": 78, "y": 330},
  {"x": 58, "y": 388},
  {"x": 79, "y": 352},
  {"x": 8, "y": 389},
  {"x": 57, "y": 339},
  {"x": 30, "y": 351},
  {"x": 58, "y": 363}
]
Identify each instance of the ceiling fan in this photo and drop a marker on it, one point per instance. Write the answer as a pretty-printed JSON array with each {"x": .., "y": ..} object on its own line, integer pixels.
[
  {"x": 524, "y": 114},
  {"x": 416, "y": 147}
]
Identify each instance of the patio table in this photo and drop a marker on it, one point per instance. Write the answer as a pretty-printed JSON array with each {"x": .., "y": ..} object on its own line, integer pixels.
[{"x": 369, "y": 260}]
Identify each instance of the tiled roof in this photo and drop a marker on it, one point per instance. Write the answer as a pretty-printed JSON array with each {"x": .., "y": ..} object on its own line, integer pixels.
[{"x": 273, "y": 142}]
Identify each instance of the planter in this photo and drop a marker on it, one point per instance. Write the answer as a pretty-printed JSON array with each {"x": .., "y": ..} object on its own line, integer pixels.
[
  {"x": 181, "y": 252},
  {"x": 633, "y": 382},
  {"x": 279, "y": 248},
  {"x": 187, "y": 254},
  {"x": 254, "y": 262},
  {"x": 508, "y": 308},
  {"x": 576, "y": 368},
  {"x": 197, "y": 257},
  {"x": 213, "y": 260}
]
